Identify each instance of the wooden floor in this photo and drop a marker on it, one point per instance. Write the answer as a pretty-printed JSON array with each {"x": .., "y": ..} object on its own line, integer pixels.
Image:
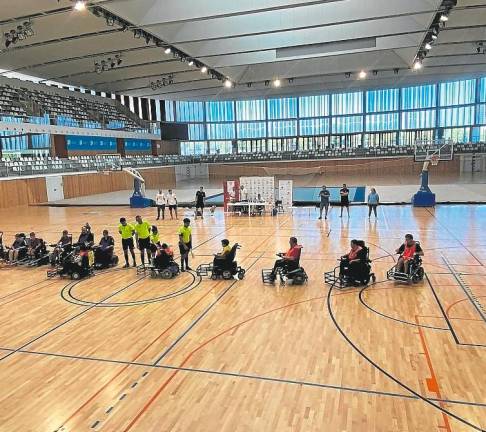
[{"x": 120, "y": 352}]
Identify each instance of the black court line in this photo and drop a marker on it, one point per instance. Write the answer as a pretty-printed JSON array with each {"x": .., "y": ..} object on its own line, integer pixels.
[
  {"x": 69, "y": 319},
  {"x": 250, "y": 376},
  {"x": 199, "y": 318},
  {"x": 363, "y": 302},
  {"x": 389, "y": 375},
  {"x": 30, "y": 286}
]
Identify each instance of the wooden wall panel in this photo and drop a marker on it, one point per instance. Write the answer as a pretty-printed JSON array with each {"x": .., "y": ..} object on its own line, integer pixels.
[
  {"x": 163, "y": 177},
  {"x": 22, "y": 192}
]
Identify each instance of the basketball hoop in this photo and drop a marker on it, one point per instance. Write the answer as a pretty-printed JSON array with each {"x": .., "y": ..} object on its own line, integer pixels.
[{"x": 434, "y": 159}]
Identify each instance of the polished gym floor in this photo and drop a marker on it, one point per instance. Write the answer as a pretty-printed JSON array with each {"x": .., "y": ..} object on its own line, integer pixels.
[{"x": 124, "y": 352}]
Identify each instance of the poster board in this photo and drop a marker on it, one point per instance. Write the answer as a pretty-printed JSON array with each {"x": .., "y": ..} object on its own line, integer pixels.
[
  {"x": 231, "y": 192},
  {"x": 265, "y": 186},
  {"x": 285, "y": 194}
]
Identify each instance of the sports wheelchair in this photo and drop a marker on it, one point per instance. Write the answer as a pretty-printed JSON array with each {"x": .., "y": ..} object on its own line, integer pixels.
[
  {"x": 103, "y": 262},
  {"x": 289, "y": 272},
  {"x": 354, "y": 274},
  {"x": 39, "y": 258},
  {"x": 415, "y": 272},
  {"x": 224, "y": 268},
  {"x": 161, "y": 266},
  {"x": 74, "y": 265}
]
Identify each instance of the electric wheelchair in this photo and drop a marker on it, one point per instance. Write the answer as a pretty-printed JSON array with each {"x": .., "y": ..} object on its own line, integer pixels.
[
  {"x": 74, "y": 264},
  {"x": 290, "y": 272},
  {"x": 414, "y": 274},
  {"x": 225, "y": 267}
]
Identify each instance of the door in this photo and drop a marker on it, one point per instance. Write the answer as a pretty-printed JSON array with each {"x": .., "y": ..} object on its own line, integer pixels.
[{"x": 55, "y": 190}]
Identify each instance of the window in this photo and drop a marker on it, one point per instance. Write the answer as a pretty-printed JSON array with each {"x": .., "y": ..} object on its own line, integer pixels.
[
  {"x": 220, "y": 111},
  {"x": 251, "y": 130},
  {"x": 318, "y": 126},
  {"x": 380, "y": 122},
  {"x": 250, "y": 110},
  {"x": 221, "y": 131},
  {"x": 282, "y": 108},
  {"x": 347, "y": 103},
  {"x": 457, "y": 92},
  {"x": 220, "y": 147},
  {"x": 418, "y": 119},
  {"x": 282, "y": 128},
  {"x": 314, "y": 106},
  {"x": 382, "y": 100},
  {"x": 169, "y": 110},
  {"x": 347, "y": 124},
  {"x": 482, "y": 90},
  {"x": 193, "y": 148},
  {"x": 196, "y": 131},
  {"x": 481, "y": 114},
  {"x": 458, "y": 135},
  {"x": 418, "y": 97},
  {"x": 189, "y": 111},
  {"x": 461, "y": 116}
]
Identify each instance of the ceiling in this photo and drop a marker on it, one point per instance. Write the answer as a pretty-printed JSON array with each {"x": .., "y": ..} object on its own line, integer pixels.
[{"x": 312, "y": 44}]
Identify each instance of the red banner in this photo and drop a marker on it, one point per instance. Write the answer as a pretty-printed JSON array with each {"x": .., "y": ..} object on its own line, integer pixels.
[{"x": 231, "y": 190}]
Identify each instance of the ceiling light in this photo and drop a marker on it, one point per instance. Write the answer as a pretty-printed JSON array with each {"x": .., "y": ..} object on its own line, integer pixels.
[
  {"x": 80, "y": 5},
  {"x": 427, "y": 46},
  {"x": 417, "y": 65},
  {"x": 291, "y": 80},
  {"x": 204, "y": 69},
  {"x": 444, "y": 17},
  {"x": 168, "y": 50},
  {"x": 375, "y": 72},
  {"x": 395, "y": 71},
  {"x": 191, "y": 63},
  {"x": 347, "y": 74},
  {"x": 277, "y": 83},
  {"x": 249, "y": 84},
  {"x": 362, "y": 75},
  {"x": 228, "y": 83}
]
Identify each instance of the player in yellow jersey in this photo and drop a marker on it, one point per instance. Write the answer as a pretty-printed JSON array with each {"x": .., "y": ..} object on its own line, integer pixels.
[
  {"x": 142, "y": 235},
  {"x": 127, "y": 231}
]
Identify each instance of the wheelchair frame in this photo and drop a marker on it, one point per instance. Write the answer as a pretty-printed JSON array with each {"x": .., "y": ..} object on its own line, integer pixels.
[
  {"x": 332, "y": 278},
  {"x": 75, "y": 275},
  {"x": 165, "y": 273},
  {"x": 415, "y": 275},
  {"x": 208, "y": 270},
  {"x": 282, "y": 274}
]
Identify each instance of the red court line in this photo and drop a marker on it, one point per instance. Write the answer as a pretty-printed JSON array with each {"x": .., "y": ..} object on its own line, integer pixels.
[{"x": 432, "y": 382}]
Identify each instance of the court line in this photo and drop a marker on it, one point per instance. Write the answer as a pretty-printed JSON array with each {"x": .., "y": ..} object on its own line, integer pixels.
[
  {"x": 389, "y": 375},
  {"x": 27, "y": 287},
  {"x": 393, "y": 318},
  {"x": 28, "y": 293},
  {"x": 457, "y": 302},
  {"x": 69, "y": 320}
]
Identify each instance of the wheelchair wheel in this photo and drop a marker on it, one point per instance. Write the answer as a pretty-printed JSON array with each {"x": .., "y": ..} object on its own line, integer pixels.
[
  {"x": 75, "y": 276},
  {"x": 227, "y": 274},
  {"x": 298, "y": 279},
  {"x": 166, "y": 274},
  {"x": 214, "y": 276},
  {"x": 241, "y": 274},
  {"x": 419, "y": 275}
]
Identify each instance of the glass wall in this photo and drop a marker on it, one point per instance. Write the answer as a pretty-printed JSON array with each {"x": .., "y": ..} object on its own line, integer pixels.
[{"x": 374, "y": 118}]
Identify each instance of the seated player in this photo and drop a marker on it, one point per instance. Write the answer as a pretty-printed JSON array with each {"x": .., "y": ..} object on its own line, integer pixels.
[
  {"x": 85, "y": 243},
  {"x": 35, "y": 246},
  {"x": 408, "y": 250},
  {"x": 288, "y": 260},
  {"x": 18, "y": 249},
  {"x": 164, "y": 257},
  {"x": 154, "y": 240},
  {"x": 104, "y": 251},
  {"x": 63, "y": 246},
  {"x": 351, "y": 263},
  {"x": 220, "y": 258}
]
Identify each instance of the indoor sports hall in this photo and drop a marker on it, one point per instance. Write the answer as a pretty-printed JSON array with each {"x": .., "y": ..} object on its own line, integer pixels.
[{"x": 243, "y": 216}]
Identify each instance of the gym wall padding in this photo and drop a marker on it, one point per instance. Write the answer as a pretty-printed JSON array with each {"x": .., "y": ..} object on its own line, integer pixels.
[{"x": 22, "y": 192}]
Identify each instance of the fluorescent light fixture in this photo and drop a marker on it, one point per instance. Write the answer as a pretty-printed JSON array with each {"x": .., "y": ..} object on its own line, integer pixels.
[
  {"x": 80, "y": 5},
  {"x": 168, "y": 50},
  {"x": 362, "y": 74}
]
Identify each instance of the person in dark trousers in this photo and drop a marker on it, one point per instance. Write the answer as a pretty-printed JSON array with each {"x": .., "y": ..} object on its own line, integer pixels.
[
  {"x": 142, "y": 235},
  {"x": 185, "y": 243},
  {"x": 160, "y": 202},
  {"x": 324, "y": 196},
  {"x": 104, "y": 252},
  {"x": 200, "y": 202},
  {"x": 373, "y": 202},
  {"x": 344, "y": 192},
  {"x": 127, "y": 231}
]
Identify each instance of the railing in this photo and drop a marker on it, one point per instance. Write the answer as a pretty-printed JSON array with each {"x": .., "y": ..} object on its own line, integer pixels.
[{"x": 33, "y": 166}]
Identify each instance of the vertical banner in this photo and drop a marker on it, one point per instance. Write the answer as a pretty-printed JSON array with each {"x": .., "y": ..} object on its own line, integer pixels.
[
  {"x": 231, "y": 189},
  {"x": 285, "y": 193}
]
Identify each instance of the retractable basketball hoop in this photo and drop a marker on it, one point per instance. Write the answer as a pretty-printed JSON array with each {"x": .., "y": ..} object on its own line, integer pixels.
[{"x": 430, "y": 153}]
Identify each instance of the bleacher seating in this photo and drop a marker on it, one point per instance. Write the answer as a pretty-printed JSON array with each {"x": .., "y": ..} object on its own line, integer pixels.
[{"x": 45, "y": 165}]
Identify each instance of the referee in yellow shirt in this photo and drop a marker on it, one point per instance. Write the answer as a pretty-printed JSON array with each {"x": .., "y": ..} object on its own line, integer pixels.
[
  {"x": 185, "y": 243},
  {"x": 126, "y": 231},
  {"x": 142, "y": 235}
]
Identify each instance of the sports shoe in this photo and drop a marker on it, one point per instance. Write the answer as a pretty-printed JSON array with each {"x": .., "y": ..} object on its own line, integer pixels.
[{"x": 126, "y": 265}]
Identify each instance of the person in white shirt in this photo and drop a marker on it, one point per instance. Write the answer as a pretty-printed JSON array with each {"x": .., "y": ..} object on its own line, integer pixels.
[
  {"x": 243, "y": 194},
  {"x": 172, "y": 203},
  {"x": 160, "y": 201}
]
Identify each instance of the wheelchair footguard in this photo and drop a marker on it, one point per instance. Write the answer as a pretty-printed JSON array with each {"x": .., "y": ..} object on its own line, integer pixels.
[
  {"x": 294, "y": 277},
  {"x": 73, "y": 273},
  {"x": 414, "y": 276},
  {"x": 342, "y": 281},
  {"x": 219, "y": 272},
  {"x": 166, "y": 273}
]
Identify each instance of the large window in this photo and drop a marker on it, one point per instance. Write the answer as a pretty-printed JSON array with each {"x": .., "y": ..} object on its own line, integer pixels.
[
  {"x": 347, "y": 103},
  {"x": 347, "y": 124},
  {"x": 314, "y": 106},
  {"x": 220, "y": 111},
  {"x": 419, "y": 97},
  {"x": 250, "y": 110},
  {"x": 423, "y": 119},
  {"x": 282, "y": 128},
  {"x": 251, "y": 130},
  {"x": 196, "y": 132},
  {"x": 220, "y": 147},
  {"x": 461, "y": 116},
  {"x": 193, "y": 148},
  {"x": 457, "y": 93},
  {"x": 220, "y": 131},
  {"x": 317, "y": 126},
  {"x": 382, "y": 100},
  {"x": 381, "y": 122},
  {"x": 282, "y": 108},
  {"x": 189, "y": 111}
]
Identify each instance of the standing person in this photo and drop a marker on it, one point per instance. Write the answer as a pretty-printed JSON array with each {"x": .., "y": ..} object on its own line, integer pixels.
[
  {"x": 200, "y": 201},
  {"x": 373, "y": 201},
  {"x": 154, "y": 241},
  {"x": 172, "y": 203},
  {"x": 185, "y": 243},
  {"x": 344, "y": 192},
  {"x": 127, "y": 231},
  {"x": 142, "y": 235},
  {"x": 324, "y": 195},
  {"x": 160, "y": 201}
]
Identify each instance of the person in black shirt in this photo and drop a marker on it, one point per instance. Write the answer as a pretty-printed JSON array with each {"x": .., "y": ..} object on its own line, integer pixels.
[
  {"x": 324, "y": 196},
  {"x": 344, "y": 192},
  {"x": 35, "y": 246},
  {"x": 104, "y": 251},
  {"x": 200, "y": 201},
  {"x": 18, "y": 249},
  {"x": 85, "y": 243}
]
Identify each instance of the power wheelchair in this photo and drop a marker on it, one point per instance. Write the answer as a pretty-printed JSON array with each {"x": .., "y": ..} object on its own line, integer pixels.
[
  {"x": 290, "y": 272},
  {"x": 414, "y": 274},
  {"x": 103, "y": 259},
  {"x": 38, "y": 258},
  {"x": 162, "y": 265},
  {"x": 352, "y": 274},
  {"x": 225, "y": 267},
  {"x": 76, "y": 264}
]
